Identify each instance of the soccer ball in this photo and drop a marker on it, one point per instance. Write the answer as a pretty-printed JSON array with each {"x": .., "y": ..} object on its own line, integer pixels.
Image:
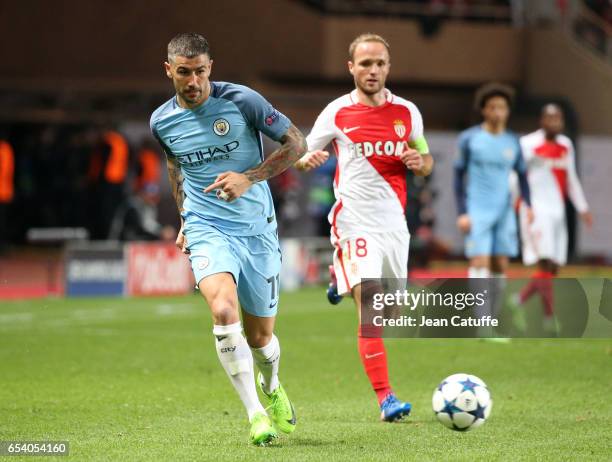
[{"x": 462, "y": 402}]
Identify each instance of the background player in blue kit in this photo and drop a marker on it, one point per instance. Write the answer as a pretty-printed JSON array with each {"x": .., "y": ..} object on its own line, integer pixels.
[
  {"x": 210, "y": 132},
  {"x": 486, "y": 156}
]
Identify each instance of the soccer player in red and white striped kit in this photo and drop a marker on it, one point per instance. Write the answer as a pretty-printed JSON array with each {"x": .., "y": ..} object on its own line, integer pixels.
[
  {"x": 377, "y": 137},
  {"x": 551, "y": 173}
]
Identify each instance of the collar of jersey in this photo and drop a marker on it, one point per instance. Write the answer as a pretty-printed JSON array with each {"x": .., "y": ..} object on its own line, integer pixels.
[
  {"x": 388, "y": 99},
  {"x": 493, "y": 135}
]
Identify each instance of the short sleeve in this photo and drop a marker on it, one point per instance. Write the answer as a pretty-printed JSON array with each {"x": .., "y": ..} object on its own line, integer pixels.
[
  {"x": 323, "y": 130},
  {"x": 155, "y": 133},
  {"x": 520, "y": 165},
  {"x": 417, "y": 122},
  {"x": 463, "y": 150},
  {"x": 257, "y": 111}
]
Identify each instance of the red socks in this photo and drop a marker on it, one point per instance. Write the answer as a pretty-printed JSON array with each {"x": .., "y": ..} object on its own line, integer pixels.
[
  {"x": 546, "y": 292},
  {"x": 374, "y": 359},
  {"x": 541, "y": 282}
]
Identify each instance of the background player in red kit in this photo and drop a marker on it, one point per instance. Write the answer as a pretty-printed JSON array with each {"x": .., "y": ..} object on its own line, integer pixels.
[
  {"x": 551, "y": 173},
  {"x": 376, "y": 136}
]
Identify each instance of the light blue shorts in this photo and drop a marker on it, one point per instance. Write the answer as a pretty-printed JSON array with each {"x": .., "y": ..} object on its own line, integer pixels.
[
  {"x": 253, "y": 261},
  {"x": 491, "y": 234}
]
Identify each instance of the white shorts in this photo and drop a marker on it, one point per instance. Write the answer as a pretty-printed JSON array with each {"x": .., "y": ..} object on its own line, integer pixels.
[
  {"x": 545, "y": 239},
  {"x": 370, "y": 255}
]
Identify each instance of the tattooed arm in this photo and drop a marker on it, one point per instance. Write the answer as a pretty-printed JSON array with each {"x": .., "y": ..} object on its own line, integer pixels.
[
  {"x": 231, "y": 185},
  {"x": 293, "y": 147},
  {"x": 176, "y": 184}
]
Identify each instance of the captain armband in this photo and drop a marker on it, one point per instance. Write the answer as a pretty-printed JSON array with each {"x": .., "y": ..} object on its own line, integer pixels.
[{"x": 420, "y": 144}]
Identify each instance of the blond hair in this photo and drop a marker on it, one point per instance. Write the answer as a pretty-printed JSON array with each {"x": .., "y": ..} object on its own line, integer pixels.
[{"x": 368, "y": 37}]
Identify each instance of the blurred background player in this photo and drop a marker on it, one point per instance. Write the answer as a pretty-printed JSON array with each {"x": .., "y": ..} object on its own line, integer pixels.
[
  {"x": 228, "y": 224},
  {"x": 136, "y": 218},
  {"x": 487, "y": 153},
  {"x": 551, "y": 171},
  {"x": 376, "y": 136},
  {"x": 108, "y": 172}
]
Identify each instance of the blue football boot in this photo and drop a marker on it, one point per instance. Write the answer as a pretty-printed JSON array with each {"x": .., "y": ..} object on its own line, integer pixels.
[
  {"x": 332, "y": 290},
  {"x": 392, "y": 409}
]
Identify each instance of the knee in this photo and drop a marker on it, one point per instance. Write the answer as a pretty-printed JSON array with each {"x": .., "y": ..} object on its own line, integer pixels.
[
  {"x": 223, "y": 311},
  {"x": 258, "y": 339},
  {"x": 499, "y": 265}
]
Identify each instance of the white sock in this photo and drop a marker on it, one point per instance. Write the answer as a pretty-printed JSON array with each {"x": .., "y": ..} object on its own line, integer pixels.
[
  {"x": 268, "y": 360},
  {"x": 474, "y": 272},
  {"x": 235, "y": 356}
]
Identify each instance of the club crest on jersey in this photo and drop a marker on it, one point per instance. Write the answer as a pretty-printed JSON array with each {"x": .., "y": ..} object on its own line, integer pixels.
[
  {"x": 399, "y": 127},
  {"x": 221, "y": 127}
]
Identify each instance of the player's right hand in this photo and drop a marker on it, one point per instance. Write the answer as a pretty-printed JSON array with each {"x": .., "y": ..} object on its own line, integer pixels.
[
  {"x": 463, "y": 223},
  {"x": 181, "y": 242},
  {"x": 587, "y": 218},
  {"x": 312, "y": 159}
]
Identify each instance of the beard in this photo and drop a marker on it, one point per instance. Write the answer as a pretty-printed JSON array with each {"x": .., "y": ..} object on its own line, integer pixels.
[
  {"x": 370, "y": 89},
  {"x": 192, "y": 96}
]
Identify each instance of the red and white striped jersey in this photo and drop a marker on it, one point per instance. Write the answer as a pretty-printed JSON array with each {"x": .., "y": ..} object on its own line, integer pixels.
[
  {"x": 370, "y": 180},
  {"x": 551, "y": 173}
]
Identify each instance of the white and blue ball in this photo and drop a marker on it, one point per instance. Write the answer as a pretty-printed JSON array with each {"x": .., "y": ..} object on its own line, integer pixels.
[{"x": 462, "y": 402}]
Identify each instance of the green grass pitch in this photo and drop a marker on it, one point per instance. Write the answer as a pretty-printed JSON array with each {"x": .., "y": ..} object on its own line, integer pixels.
[{"x": 138, "y": 379}]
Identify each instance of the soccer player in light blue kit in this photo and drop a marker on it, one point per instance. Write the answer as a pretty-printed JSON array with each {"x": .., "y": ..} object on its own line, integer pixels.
[
  {"x": 211, "y": 133},
  {"x": 486, "y": 156}
]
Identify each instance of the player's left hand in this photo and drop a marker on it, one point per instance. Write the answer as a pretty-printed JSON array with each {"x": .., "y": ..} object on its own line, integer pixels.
[
  {"x": 230, "y": 186},
  {"x": 529, "y": 215},
  {"x": 412, "y": 159}
]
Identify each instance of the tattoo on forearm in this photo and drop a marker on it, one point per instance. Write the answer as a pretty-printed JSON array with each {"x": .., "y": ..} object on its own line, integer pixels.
[
  {"x": 293, "y": 148},
  {"x": 176, "y": 182}
]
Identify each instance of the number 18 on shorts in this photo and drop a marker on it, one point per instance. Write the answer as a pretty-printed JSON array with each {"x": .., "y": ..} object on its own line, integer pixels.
[{"x": 370, "y": 256}]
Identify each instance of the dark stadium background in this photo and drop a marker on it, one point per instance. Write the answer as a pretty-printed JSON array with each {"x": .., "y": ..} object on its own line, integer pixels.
[{"x": 72, "y": 70}]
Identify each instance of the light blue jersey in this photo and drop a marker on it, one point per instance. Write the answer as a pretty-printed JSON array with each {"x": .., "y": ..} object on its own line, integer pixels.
[
  {"x": 239, "y": 237},
  {"x": 487, "y": 159},
  {"x": 222, "y": 134}
]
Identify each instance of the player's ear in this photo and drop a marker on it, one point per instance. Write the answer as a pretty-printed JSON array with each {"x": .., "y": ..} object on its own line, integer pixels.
[
  {"x": 168, "y": 69},
  {"x": 350, "y": 66}
]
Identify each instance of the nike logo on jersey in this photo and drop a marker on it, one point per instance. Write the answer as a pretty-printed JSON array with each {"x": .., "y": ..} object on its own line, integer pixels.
[
  {"x": 367, "y": 356},
  {"x": 349, "y": 130},
  {"x": 172, "y": 140}
]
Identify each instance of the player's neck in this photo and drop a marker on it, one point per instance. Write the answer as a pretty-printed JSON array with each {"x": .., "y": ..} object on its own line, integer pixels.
[
  {"x": 494, "y": 129},
  {"x": 373, "y": 100},
  {"x": 550, "y": 136}
]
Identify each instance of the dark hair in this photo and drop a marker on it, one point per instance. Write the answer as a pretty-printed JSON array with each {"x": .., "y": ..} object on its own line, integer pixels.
[
  {"x": 491, "y": 89},
  {"x": 189, "y": 45}
]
